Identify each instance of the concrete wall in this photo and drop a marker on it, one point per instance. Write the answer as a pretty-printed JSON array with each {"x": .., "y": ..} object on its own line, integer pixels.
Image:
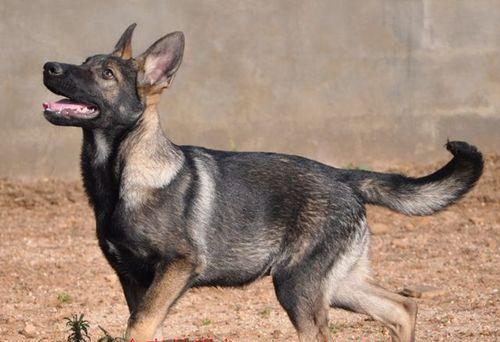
[{"x": 362, "y": 82}]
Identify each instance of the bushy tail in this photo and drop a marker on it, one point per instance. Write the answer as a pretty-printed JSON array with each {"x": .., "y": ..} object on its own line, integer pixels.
[{"x": 425, "y": 195}]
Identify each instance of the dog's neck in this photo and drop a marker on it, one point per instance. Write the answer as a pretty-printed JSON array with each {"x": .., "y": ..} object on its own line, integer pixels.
[
  {"x": 127, "y": 166},
  {"x": 147, "y": 158}
]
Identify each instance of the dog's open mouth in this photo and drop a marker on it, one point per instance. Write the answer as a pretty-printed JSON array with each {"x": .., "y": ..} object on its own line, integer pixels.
[{"x": 71, "y": 109}]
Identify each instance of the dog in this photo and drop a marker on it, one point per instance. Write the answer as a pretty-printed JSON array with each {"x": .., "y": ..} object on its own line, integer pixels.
[{"x": 169, "y": 217}]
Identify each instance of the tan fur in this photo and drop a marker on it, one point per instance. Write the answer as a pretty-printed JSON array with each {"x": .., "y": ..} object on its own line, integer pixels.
[
  {"x": 358, "y": 292},
  {"x": 144, "y": 167},
  {"x": 123, "y": 48},
  {"x": 126, "y": 51},
  {"x": 315, "y": 328},
  {"x": 167, "y": 286}
]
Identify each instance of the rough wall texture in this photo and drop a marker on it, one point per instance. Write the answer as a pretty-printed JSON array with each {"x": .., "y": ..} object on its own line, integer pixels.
[{"x": 345, "y": 82}]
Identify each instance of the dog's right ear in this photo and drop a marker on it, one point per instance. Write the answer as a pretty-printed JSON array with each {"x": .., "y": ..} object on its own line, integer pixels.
[{"x": 123, "y": 48}]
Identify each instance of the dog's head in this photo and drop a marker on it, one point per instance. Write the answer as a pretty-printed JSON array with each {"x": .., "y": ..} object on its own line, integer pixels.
[{"x": 112, "y": 90}]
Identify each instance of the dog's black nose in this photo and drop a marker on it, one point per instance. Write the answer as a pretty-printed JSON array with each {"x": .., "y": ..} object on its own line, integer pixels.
[{"x": 53, "y": 68}]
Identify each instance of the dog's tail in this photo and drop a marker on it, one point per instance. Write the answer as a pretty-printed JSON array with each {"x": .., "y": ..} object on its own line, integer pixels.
[{"x": 425, "y": 195}]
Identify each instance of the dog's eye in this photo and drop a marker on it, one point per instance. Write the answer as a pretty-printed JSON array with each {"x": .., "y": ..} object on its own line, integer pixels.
[{"x": 108, "y": 74}]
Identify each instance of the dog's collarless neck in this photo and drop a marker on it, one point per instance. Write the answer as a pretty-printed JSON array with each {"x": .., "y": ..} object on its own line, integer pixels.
[
  {"x": 125, "y": 167},
  {"x": 146, "y": 159}
]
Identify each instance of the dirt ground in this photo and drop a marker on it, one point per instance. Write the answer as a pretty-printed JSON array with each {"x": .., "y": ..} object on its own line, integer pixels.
[{"x": 51, "y": 267}]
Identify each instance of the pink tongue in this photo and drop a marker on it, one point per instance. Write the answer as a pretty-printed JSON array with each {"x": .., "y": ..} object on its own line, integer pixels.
[{"x": 65, "y": 104}]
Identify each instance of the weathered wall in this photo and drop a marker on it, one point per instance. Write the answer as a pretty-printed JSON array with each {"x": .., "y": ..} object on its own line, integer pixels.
[{"x": 362, "y": 82}]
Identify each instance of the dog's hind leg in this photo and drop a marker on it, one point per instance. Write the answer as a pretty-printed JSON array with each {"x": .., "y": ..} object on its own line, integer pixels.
[
  {"x": 359, "y": 293},
  {"x": 299, "y": 285},
  {"x": 329, "y": 235},
  {"x": 167, "y": 286},
  {"x": 304, "y": 303}
]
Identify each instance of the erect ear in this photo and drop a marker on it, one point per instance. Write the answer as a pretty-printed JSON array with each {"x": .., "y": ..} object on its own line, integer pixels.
[
  {"x": 159, "y": 63},
  {"x": 123, "y": 48}
]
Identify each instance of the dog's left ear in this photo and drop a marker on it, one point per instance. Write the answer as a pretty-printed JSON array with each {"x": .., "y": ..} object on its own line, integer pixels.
[
  {"x": 157, "y": 66},
  {"x": 123, "y": 48}
]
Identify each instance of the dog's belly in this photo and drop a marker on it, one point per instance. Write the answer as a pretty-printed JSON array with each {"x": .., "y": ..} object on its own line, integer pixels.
[
  {"x": 237, "y": 266},
  {"x": 237, "y": 274}
]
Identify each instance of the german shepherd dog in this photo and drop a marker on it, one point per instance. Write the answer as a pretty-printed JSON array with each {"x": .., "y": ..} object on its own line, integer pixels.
[{"x": 172, "y": 217}]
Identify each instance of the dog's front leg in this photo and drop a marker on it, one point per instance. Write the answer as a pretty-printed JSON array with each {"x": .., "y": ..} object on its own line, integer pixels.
[
  {"x": 133, "y": 293},
  {"x": 168, "y": 284}
]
